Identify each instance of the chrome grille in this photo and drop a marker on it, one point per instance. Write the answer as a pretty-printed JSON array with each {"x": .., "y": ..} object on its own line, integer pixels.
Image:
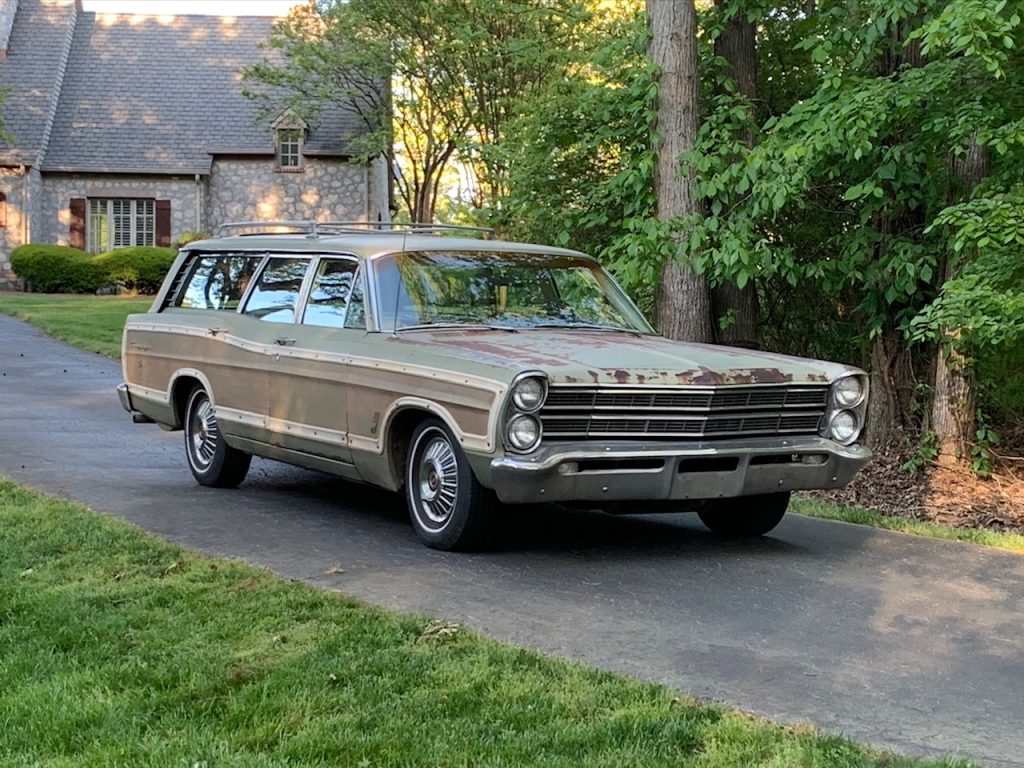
[{"x": 574, "y": 412}]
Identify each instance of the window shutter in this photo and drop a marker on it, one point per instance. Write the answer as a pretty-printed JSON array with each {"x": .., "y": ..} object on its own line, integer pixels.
[
  {"x": 163, "y": 223},
  {"x": 77, "y": 208},
  {"x": 3, "y": 209}
]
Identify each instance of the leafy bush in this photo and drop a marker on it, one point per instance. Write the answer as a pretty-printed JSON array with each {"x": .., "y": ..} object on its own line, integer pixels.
[
  {"x": 188, "y": 237},
  {"x": 139, "y": 268},
  {"x": 60, "y": 269},
  {"x": 57, "y": 269}
]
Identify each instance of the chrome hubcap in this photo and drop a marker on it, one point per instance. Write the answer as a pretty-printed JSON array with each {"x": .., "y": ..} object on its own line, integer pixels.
[
  {"x": 203, "y": 432},
  {"x": 438, "y": 480}
]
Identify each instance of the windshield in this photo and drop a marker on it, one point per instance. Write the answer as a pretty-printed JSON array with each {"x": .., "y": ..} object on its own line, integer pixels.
[{"x": 510, "y": 290}]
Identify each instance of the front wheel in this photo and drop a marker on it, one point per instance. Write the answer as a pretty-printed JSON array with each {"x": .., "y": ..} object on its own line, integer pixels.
[
  {"x": 213, "y": 462},
  {"x": 745, "y": 516},
  {"x": 448, "y": 507}
]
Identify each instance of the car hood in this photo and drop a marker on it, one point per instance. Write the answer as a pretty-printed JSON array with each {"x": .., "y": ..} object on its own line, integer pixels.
[{"x": 601, "y": 357}]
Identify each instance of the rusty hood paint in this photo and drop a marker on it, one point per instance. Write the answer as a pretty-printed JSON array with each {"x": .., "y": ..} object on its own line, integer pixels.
[{"x": 600, "y": 357}]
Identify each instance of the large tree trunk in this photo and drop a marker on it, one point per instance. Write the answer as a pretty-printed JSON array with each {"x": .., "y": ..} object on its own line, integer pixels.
[
  {"x": 953, "y": 402},
  {"x": 737, "y": 44},
  {"x": 683, "y": 302},
  {"x": 893, "y": 388}
]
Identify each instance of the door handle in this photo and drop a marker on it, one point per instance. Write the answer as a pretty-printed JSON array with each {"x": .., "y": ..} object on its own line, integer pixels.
[
  {"x": 284, "y": 341},
  {"x": 215, "y": 331}
]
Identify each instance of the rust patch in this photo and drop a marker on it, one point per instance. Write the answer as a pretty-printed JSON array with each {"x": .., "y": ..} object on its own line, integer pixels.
[
  {"x": 641, "y": 379},
  {"x": 570, "y": 379},
  {"x": 595, "y": 376},
  {"x": 621, "y": 376}
]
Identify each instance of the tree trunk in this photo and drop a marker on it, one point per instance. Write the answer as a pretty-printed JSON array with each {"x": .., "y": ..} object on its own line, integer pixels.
[
  {"x": 737, "y": 44},
  {"x": 953, "y": 402},
  {"x": 683, "y": 302},
  {"x": 890, "y": 405}
]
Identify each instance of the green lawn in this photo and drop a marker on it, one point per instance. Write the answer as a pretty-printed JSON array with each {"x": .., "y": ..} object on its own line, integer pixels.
[
  {"x": 93, "y": 323},
  {"x": 117, "y": 649}
]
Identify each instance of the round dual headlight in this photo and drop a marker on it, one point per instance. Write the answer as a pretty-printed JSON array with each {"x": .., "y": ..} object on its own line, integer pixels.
[
  {"x": 848, "y": 392},
  {"x": 843, "y": 427},
  {"x": 523, "y": 432},
  {"x": 528, "y": 394}
]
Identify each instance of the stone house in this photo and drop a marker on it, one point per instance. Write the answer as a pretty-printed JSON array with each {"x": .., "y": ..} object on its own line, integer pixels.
[{"x": 132, "y": 130}]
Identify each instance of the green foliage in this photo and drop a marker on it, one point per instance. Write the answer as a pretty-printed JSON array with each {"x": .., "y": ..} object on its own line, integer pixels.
[
  {"x": 927, "y": 452},
  {"x": 138, "y": 268},
  {"x": 57, "y": 269},
  {"x": 188, "y": 237},
  {"x": 60, "y": 269}
]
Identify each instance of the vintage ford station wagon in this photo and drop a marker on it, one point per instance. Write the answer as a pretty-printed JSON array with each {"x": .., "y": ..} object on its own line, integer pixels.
[{"x": 464, "y": 372}]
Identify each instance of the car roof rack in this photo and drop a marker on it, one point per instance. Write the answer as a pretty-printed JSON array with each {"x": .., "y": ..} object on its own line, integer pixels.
[{"x": 317, "y": 228}]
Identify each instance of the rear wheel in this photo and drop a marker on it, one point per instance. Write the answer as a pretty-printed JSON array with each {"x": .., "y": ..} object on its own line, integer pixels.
[
  {"x": 745, "y": 516},
  {"x": 213, "y": 462},
  {"x": 448, "y": 507}
]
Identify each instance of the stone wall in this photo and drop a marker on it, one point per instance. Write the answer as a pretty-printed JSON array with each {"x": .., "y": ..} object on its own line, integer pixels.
[
  {"x": 54, "y": 225},
  {"x": 18, "y": 187},
  {"x": 250, "y": 189}
]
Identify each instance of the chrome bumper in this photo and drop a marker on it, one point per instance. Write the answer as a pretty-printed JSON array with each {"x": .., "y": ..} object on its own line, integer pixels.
[
  {"x": 632, "y": 471},
  {"x": 126, "y": 402}
]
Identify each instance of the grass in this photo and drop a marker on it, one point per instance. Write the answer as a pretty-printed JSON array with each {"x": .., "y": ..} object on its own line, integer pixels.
[
  {"x": 1013, "y": 542},
  {"x": 117, "y": 649},
  {"x": 93, "y": 323}
]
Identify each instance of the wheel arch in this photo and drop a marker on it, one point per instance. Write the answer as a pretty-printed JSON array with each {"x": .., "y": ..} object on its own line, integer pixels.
[
  {"x": 401, "y": 422},
  {"x": 182, "y": 384}
]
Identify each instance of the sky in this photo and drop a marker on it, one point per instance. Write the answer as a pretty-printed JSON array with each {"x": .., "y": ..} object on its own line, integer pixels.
[{"x": 202, "y": 7}]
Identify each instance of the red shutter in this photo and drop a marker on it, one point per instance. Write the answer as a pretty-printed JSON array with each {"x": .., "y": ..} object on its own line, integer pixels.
[
  {"x": 163, "y": 223},
  {"x": 3, "y": 209},
  {"x": 77, "y": 208}
]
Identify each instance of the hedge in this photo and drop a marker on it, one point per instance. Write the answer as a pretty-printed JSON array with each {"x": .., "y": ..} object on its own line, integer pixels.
[{"x": 60, "y": 269}]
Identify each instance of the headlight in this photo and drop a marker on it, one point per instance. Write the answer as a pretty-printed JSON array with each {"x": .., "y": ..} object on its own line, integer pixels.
[
  {"x": 523, "y": 432},
  {"x": 528, "y": 394},
  {"x": 843, "y": 426},
  {"x": 848, "y": 392}
]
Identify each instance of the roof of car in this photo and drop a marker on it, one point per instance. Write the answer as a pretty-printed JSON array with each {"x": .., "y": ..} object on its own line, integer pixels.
[{"x": 370, "y": 245}]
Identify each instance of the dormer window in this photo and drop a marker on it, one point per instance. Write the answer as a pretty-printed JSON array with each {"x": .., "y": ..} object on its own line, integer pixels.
[
  {"x": 289, "y": 130},
  {"x": 289, "y": 149}
]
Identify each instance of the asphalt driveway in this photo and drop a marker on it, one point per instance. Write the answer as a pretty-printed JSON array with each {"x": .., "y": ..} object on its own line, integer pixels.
[{"x": 903, "y": 642}]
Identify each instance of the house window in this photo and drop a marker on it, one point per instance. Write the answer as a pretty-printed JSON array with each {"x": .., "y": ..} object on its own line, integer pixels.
[
  {"x": 289, "y": 149},
  {"x": 119, "y": 223}
]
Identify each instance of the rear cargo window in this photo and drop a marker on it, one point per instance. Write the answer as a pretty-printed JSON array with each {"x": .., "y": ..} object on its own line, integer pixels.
[{"x": 218, "y": 281}]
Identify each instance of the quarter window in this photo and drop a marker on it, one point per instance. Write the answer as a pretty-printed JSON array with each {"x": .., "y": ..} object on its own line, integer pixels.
[
  {"x": 218, "y": 282},
  {"x": 328, "y": 298},
  {"x": 120, "y": 223},
  {"x": 276, "y": 295}
]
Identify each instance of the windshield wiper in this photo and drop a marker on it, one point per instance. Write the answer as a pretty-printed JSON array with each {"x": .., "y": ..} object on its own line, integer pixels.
[{"x": 589, "y": 327}]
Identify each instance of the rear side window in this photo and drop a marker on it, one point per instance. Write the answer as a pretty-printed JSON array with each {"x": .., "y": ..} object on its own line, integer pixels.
[
  {"x": 218, "y": 281},
  {"x": 329, "y": 296},
  {"x": 276, "y": 295}
]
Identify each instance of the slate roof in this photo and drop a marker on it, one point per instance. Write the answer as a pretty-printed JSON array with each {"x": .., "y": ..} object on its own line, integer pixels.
[
  {"x": 158, "y": 94},
  {"x": 30, "y": 73}
]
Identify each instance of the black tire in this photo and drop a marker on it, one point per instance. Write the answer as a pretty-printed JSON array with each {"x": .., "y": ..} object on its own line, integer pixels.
[
  {"x": 448, "y": 507},
  {"x": 213, "y": 462},
  {"x": 745, "y": 516}
]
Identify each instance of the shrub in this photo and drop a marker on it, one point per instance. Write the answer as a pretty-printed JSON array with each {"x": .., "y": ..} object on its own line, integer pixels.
[
  {"x": 188, "y": 237},
  {"x": 138, "y": 268},
  {"x": 57, "y": 269}
]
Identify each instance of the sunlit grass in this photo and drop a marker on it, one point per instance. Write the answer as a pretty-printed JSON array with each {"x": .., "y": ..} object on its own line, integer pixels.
[
  {"x": 93, "y": 323},
  {"x": 119, "y": 649},
  {"x": 1013, "y": 542}
]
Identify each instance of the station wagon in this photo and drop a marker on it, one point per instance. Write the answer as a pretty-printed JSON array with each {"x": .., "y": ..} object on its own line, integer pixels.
[{"x": 474, "y": 375}]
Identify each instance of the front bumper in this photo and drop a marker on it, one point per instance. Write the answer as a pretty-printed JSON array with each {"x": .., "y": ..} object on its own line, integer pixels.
[{"x": 633, "y": 471}]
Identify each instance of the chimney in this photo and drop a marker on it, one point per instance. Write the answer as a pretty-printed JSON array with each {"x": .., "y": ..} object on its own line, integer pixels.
[{"x": 7, "y": 10}]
